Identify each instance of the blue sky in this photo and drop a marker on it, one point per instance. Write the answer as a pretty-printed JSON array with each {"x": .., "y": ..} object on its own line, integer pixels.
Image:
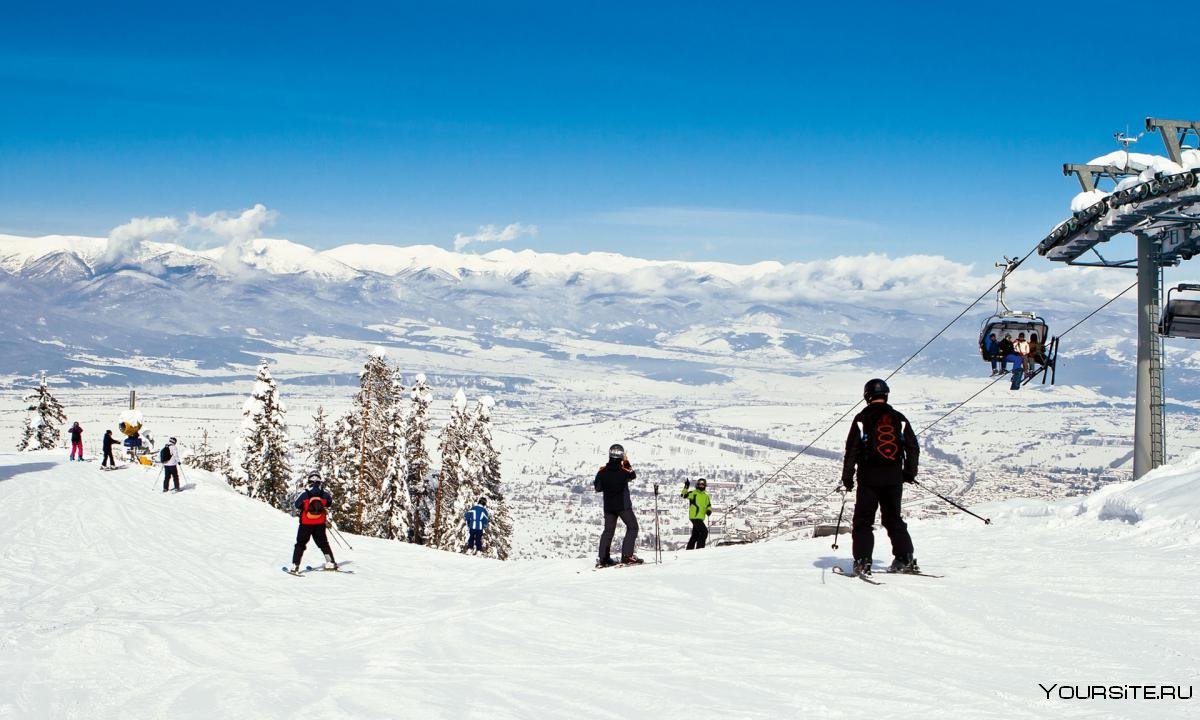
[{"x": 720, "y": 131}]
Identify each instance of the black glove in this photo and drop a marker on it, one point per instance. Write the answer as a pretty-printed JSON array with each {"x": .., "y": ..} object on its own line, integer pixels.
[
  {"x": 848, "y": 483},
  {"x": 687, "y": 484}
]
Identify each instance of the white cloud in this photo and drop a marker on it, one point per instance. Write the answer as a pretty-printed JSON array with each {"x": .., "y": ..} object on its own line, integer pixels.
[
  {"x": 125, "y": 240},
  {"x": 235, "y": 227},
  {"x": 490, "y": 234}
]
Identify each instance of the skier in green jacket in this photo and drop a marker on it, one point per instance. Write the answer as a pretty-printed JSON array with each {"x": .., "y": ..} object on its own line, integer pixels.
[{"x": 699, "y": 508}]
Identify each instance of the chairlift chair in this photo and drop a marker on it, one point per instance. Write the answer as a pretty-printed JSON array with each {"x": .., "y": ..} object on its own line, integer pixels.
[
  {"x": 1006, "y": 321},
  {"x": 1181, "y": 318}
]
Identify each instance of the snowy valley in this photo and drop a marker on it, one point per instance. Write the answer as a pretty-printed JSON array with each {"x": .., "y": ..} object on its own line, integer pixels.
[{"x": 706, "y": 369}]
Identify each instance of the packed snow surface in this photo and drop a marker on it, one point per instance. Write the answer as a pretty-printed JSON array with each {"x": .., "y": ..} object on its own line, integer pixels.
[{"x": 122, "y": 601}]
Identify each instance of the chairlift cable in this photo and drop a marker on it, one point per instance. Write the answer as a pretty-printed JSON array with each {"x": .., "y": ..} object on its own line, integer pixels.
[
  {"x": 835, "y": 423},
  {"x": 985, "y": 388},
  {"x": 1110, "y": 301}
]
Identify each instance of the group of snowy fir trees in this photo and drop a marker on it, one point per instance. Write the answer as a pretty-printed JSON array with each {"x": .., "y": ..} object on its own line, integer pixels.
[{"x": 375, "y": 462}]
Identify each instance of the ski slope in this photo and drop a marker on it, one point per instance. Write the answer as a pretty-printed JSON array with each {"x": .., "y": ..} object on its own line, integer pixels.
[{"x": 120, "y": 601}]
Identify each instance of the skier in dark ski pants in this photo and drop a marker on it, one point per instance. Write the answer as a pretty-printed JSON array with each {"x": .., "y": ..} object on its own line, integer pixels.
[
  {"x": 477, "y": 522},
  {"x": 313, "y": 504},
  {"x": 883, "y": 447},
  {"x": 170, "y": 460},
  {"x": 108, "y": 443},
  {"x": 699, "y": 508},
  {"x": 613, "y": 480}
]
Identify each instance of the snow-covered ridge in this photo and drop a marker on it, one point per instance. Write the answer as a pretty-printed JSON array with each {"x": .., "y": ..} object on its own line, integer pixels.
[{"x": 915, "y": 278}]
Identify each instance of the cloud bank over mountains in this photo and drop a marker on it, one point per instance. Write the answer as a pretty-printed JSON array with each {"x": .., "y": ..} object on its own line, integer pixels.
[{"x": 75, "y": 299}]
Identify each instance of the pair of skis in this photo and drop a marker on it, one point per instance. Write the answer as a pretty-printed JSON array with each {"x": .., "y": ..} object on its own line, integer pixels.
[
  {"x": 310, "y": 568},
  {"x": 837, "y": 570}
]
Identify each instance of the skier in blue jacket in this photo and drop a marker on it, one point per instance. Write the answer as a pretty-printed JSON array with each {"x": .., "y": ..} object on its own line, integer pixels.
[{"x": 477, "y": 522}]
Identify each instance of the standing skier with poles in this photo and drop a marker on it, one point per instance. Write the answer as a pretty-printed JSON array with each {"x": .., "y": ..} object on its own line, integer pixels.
[
  {"x": 107, "y": 443},
  {"x": 613, "y": 480},
  {"x": 169, "y": 457},
  {"x": 699, "y": 508},
  {"x": 477, "y": 522},
  {"x": 313, "y": 505},
  {"x": 883, "y": 448}
]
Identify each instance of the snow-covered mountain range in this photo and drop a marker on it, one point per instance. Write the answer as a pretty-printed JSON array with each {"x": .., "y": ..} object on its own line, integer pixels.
[{"x": 95, "y": 310}]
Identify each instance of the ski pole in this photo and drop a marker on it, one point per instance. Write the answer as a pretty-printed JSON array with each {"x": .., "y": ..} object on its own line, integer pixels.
[
  {"x": 986, "y": 521},
  {"x": 657, "y": 540},
  {"x": 838, "y": 530},
  {"x": 338, "y": 534},
  {"x": 335, "y": 537}
]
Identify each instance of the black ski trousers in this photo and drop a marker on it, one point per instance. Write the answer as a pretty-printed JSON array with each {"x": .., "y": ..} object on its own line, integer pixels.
[
  {"x": 884, "y": 499},
  {"x": 170, "y": 472},
  {"x": 317, "y": 533},
  {"x": 610, "y": 529},
  {"x": 699, "y": 535},
  {"x": 108, "y": 458}
]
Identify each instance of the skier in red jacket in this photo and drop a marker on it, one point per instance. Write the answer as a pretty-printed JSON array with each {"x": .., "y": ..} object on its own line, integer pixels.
[{"x": 313, "y": 505}]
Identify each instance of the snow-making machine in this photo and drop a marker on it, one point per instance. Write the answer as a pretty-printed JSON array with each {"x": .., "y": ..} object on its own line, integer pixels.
[{"x": 139, "y": 444}]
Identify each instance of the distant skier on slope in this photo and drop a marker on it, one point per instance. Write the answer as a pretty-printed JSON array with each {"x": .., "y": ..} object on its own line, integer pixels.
[
  {"x": 169, "y": 456},
  {"x": 699, "y": 508},
  {"x": 76, "y": 441},
  {"x": 313, "y": 505},
  {"x": 883, "y": 448},
  {"x": 613, "y": 480},
  {"x": 107, "y": 443},
  {"x": 477, "y": 521}
]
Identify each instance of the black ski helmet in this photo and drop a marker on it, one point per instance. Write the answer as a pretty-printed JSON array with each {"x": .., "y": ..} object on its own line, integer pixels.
[
  {"x": 876, "y": 388},
  {"x": 314, "y": 478},
  {"x": 483, "y": 501},
  {"x": 701, "y": 484},
  {"x": 616, "y": 452}
]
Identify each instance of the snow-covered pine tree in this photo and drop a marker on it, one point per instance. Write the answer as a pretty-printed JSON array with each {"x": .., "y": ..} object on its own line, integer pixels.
[
  {"x": 265, "y": 459},
  {"x": 453, "y": 480},
  {"x": 416, "y": 458},
  {"x": 498, "y": 538},
  {"x": 363, "y": 446},
  {"x": 320, "y": 451},
  {"x": 41, "y": 431},
  {"x": 393, "y": 514},
  {"x": 205, "y": 457}
]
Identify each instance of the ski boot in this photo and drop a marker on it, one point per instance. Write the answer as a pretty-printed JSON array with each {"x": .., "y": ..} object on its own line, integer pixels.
[
  {"x": 904, "y": 564},
  {"x": 330, "y": 564},
  {"x": 295, "y": 569},
  {"x": 631, "y": 560},
  {"x": 605, "y": 562},
  {"x": 862, "y": 566}
]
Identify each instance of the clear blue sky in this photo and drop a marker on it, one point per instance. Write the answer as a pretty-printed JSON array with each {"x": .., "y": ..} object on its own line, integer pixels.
[{"x": 730, "y": 131}]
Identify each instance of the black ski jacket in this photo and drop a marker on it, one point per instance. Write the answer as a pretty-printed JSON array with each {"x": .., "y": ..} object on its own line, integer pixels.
[
  {"x": 873, "y": 474},
  {"x": 613, "y": 481}
]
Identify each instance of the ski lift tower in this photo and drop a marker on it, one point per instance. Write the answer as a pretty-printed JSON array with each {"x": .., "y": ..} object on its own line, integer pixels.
[{"x": 1159, "y": 205}]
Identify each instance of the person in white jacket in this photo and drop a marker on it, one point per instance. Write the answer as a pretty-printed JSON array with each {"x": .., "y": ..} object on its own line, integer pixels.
[{"x": 170, "y": 460}]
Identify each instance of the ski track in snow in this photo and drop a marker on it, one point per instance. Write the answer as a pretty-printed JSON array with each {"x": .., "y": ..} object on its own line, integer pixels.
[{"x": 120, "y": 601}]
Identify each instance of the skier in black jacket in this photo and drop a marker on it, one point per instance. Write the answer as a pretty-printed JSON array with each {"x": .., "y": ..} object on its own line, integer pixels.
[
  {"x": 108, "y": 443},
  {"x": 883, "y": 448},
  {"x": 613, "y": 480}
]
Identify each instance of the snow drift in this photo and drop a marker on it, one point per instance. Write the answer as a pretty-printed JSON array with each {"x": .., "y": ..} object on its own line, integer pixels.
[{"x": 120, "y": 601}]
